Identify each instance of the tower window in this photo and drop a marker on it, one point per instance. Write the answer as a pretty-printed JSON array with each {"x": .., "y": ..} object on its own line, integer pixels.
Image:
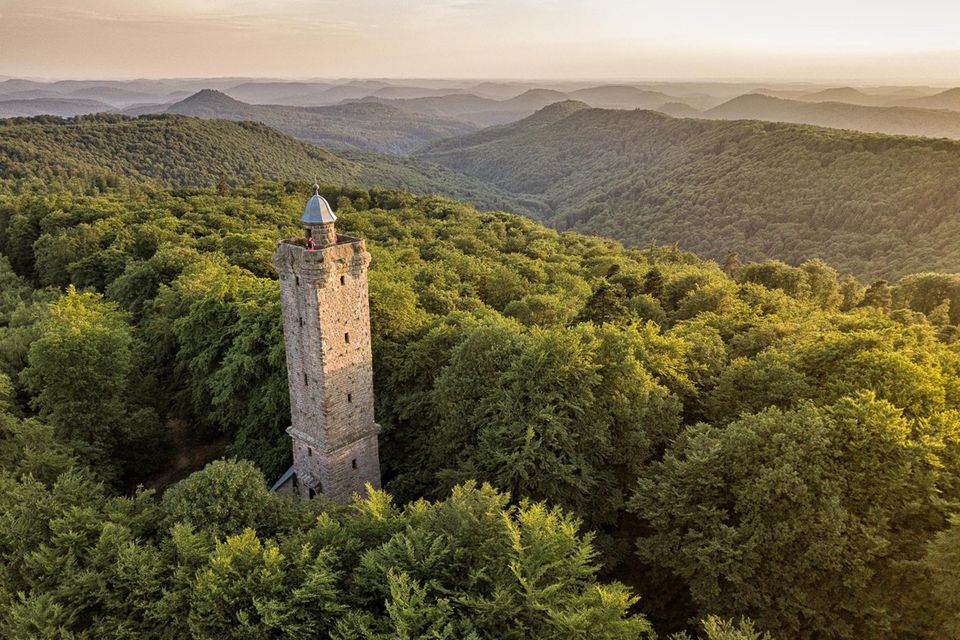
[
  {"x": 301, "y": 321},
  {"x": 296, "y": 280},
  {"x": 305, "y": 381},
  {"x": 346, "y": 338},
  {"x": 309, "y": 452},
  {"x": 349, "y": 398},
  {"x": 354, "y": 463},
  {"x": 343, "y": 280}
]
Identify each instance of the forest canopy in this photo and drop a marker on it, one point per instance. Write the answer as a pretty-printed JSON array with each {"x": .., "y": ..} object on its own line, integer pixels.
[{"x": 568, "y": 425}]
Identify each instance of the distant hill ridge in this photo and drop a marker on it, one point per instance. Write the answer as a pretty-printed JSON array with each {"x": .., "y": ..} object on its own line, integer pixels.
[
  {"x": 402, "y": 126},
  {"x": 63, "y": 107},
  {"x": 362, "y": 126},
  {"x": 949, "y": 99},
  {"x": 846, "y": 94},
  {"x": 484, "y": 111},
  {"x": 910, "y": 121}
]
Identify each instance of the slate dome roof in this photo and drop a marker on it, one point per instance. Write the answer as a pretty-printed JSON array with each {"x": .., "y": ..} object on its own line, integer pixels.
[{"x": 318, "y": 210}]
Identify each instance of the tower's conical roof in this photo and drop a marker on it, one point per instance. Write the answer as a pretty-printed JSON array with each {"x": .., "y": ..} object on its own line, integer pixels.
[{"x": 318, "y": 210}]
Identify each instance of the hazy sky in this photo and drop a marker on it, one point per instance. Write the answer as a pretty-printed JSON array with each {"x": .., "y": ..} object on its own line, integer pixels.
[{"x": 903, "y": 40}]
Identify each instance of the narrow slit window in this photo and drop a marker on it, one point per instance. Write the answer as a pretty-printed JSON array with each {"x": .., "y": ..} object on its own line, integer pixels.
[
  {"x": 309, "y": 452},
  {"x": 343, "y": 280},
  {"x": 346, "y": 338},
  {"x": 354, "y": 463},
  {"x": 296, "y": 280},
  {"x": 349, "y": 398},
  {"x": 301, "y": 322},
  {"x": 305, "y": 381}
]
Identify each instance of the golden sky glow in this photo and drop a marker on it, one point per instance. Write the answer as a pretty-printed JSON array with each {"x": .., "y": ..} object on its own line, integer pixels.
[{"x": 816, "y": 39}]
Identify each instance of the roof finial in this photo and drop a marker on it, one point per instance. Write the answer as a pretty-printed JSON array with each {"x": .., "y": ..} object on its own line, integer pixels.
[
  {"x": 318, "y": 210},
  {"x": 316, "y": 186}
]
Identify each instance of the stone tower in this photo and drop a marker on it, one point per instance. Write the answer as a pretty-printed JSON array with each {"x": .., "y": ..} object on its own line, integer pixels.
[{"x": 326, "y": 328}]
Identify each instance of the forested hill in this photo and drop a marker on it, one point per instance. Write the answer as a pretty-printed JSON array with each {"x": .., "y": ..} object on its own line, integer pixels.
[
  {"x": 102, "y": 151},
  {"x": 871, "y": 204},
  {"x": 759, "y": 441},
  {"x": 169, "y": 149}
]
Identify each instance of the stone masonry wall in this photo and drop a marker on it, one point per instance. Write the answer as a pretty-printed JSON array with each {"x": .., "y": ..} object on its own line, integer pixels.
[{"x": 326, "y": 317}]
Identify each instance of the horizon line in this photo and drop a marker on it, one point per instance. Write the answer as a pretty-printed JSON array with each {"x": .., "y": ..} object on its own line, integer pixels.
[{"x": 898, "y": 81}]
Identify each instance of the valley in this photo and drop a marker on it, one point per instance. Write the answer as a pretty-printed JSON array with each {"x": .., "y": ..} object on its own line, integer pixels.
[{"x": 870, "y": 204}]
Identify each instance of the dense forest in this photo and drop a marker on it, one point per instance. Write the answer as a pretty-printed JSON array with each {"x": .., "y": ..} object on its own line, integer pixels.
[
  {"x": 579, "y": 440},
  {"x": 94, "y": 153},
  {"x": 873, "y": 205}
]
